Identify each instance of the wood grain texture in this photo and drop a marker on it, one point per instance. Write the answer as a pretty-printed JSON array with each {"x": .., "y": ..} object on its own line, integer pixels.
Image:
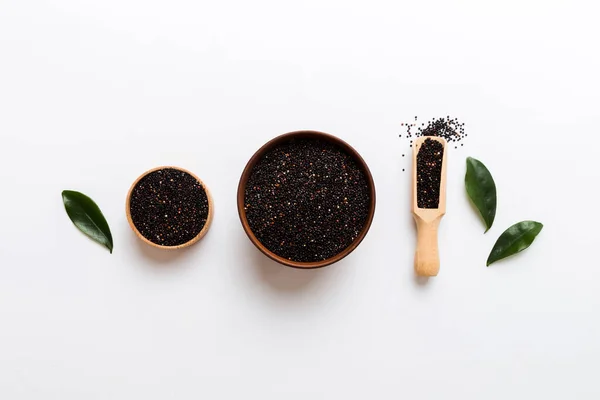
[
  {"x": 196, "y": 238},
  {"x": 427, "y": 220}
]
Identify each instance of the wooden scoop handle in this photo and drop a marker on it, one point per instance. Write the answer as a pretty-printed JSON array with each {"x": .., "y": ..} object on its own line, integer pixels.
[{"x": 427, "y": 256}]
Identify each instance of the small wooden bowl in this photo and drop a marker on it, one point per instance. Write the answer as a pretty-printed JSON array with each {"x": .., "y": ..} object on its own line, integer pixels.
[
  {"x": 199, "y": 236},
  {"x": 302, "y": 135}
]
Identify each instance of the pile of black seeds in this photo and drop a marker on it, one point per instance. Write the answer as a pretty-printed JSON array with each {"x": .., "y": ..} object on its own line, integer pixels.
[
  {"x": 169, "y": 207},
  {"x": 448, "y": 128},
  {"x": 429, "y": 173},
  {"x": 307, "y": 200}
]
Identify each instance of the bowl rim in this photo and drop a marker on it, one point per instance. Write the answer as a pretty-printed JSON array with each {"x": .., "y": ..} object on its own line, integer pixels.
[
  {"x": 190, "y": 242},
  {"x": 297, "y": 135}
]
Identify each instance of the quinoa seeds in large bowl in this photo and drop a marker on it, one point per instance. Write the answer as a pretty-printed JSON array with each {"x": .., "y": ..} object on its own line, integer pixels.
[{"x": 307, "y": 200}]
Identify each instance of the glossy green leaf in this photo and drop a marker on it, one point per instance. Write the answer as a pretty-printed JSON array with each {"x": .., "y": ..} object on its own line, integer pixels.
[
  {"x": 481, "y": 190},
  {"x": 514, "y": 240},
  {"x": 87, "y": 217}
]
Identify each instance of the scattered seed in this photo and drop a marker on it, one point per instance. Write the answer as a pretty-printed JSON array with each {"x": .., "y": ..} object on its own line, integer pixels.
[{"x": 448, "y": 128}]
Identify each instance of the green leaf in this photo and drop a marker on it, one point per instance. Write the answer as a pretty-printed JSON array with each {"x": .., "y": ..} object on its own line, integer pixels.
[
  {"x": 514, "y": 240},
  {"x": 481, "y": 190},
  {"x": 87, "y": 217}
]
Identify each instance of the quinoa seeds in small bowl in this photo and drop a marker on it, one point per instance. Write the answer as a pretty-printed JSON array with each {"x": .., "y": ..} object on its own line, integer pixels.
[{"x": 169, "y": 208}]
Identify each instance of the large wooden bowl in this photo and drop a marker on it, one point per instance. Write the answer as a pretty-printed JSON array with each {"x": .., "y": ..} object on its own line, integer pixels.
[
  {"x": 196, "y": 238},
  {"x": 303, "y": 135}
]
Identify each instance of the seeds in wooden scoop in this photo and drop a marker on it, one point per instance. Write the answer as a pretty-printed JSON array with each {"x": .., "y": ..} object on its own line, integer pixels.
[{"x": 429, "y": 173}]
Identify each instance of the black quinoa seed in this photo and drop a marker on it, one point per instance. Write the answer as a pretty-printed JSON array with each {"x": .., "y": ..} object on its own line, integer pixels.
[
  {"x": 307, "y": 200},
  {"x": 169, "y": 207},
  {"x": 429, "y": 173},
  {"x": 448, "y": 128}
]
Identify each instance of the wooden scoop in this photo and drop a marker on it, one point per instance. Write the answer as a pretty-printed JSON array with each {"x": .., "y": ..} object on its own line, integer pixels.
[{"x": 427, "y": 257}]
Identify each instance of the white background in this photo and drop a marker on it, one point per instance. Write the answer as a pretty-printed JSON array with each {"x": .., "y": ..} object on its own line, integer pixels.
[{"x": 93, "y": 93}]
